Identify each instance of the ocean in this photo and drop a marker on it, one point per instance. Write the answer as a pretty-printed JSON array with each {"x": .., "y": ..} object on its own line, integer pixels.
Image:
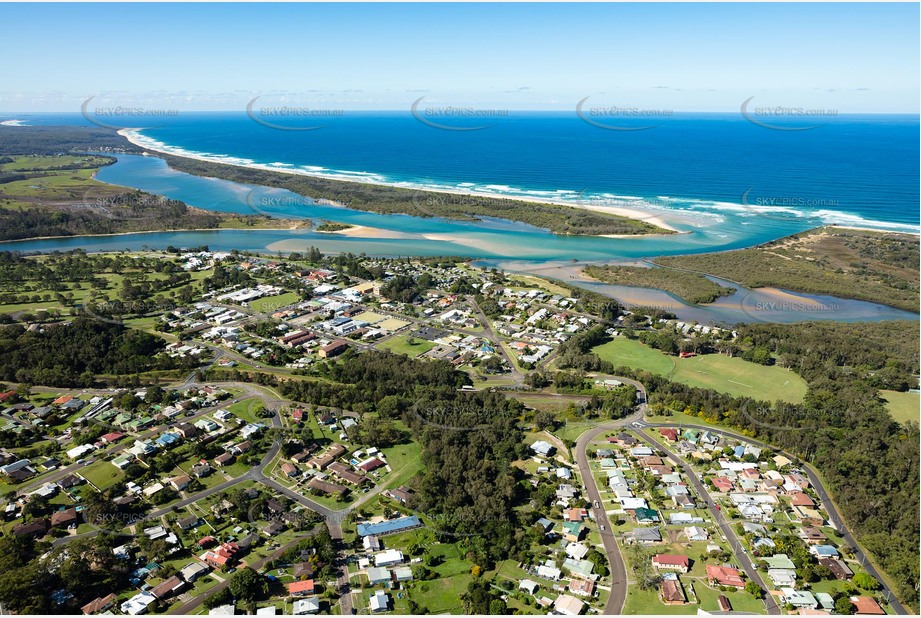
[
  {"x": 858, "y": 170},
  {"x": 724, "y": 183}
]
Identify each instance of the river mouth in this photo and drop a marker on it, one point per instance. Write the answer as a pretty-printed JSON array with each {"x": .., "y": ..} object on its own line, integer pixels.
[
  {"x": 513, "y": 246},
  {"x": 771, "y": 305}
]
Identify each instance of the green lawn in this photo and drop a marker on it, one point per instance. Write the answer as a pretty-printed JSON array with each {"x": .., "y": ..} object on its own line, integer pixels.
[
  {"x": 248, "y": 410},
  {"x": 903, "y": 407},
  {"x": 102, "y": 474},
  {"x": 715, "y": 371},
  {"x": 402, "y": 345},
  {"x": 273, "y": 303},
  {"x": 648, "y": 601},
  {"x": 442, "y": 595}
]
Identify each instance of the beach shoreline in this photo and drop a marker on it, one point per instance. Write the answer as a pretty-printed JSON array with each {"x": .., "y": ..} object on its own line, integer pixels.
[
  {"x": 170, "y": 231},
  {"x": 133, "y": 135}
]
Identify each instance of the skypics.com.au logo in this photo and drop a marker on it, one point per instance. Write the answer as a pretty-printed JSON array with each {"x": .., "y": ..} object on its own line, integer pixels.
[
  {"x": 128, "y": 206},
  {"x": 621, "y": 118},
  {"x": 126, "y": 115},
  {"x": 288, "y": 116},
  {"x": 783, "y": 117},
  {"x": 453, "y": 117}
]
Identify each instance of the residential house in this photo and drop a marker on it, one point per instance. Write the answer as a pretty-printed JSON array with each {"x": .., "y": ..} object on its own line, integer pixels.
[
  {"x": 99, "y": 604},
  {"x": 866, "y": 605},
  {"x": 388, "y": 557},
  {"x": 36, "y": 528},
  {"x": 671, "y": 562},
  {"x": 379, "y": 602},
  {"x": 301, "y": 588},
  {"x": 193, "y": 571},
  {"x": 168, "y": 587},
  {"x": 724, "y": 576},
  {"x": 543, "y": 448},
  {"x": 838, "y": 568},
  {"x": 302, "y": 607},
  {"x": 782, "y": 578},
  {"x": 582, "y": 587},
  {"x": 378, "y": 575},
  {"x": 644, "y": 536},
  {"x": 222, "y": 556},
  {"x": 672, "y": 592},
  {"x": 224, "y": 459},
  {"x": 568, "y": 605},
  {"x": 62, "y": 519},
  {"x": 799, "y": 599}
]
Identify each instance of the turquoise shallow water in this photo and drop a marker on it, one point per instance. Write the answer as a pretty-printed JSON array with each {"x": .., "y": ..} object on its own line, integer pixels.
[
  {"x": 513, "y": 246},
  {"x": 425, "y": 236}
]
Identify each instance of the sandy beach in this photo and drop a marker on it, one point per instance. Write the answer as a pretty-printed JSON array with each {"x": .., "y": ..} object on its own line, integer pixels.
[
  {"x": 364, "y": 231},
  {"x": 133, "y": 136}
]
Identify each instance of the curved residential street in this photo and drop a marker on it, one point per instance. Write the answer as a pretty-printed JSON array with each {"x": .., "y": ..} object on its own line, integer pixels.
[{"x": 617, "y": 565}]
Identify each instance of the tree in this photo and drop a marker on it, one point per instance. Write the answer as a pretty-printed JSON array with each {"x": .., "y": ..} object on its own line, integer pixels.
[
  {"x": 866, "y": 581},
  {"x": 497, "y": 607},
  {"x": 544, "y": 419},
  {"x": 247, "y": 584},
  {"x": 753, "y": 589},
  {"x": 492, "y": 364},
  {"x": 844, "y": 606}
]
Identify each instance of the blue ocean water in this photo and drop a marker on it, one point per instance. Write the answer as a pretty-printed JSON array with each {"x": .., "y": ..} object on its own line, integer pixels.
[
  {"x": 863, "y": 171},
  {"x": 860, "y": 170}
]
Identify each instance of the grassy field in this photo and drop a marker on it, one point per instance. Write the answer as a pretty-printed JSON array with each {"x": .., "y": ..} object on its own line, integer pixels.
[
  {"x": 903, "y": 407},
  {"x": 402, "y": 345},
  {"x": 273, "y": 303},
  {"x": 530, "y": 280},
  {"x": 720, "y": 373},
  {"x": 248, "y": 409},
  {"x": 102, "y": 474},
  {"x": 648, "y": 601}
]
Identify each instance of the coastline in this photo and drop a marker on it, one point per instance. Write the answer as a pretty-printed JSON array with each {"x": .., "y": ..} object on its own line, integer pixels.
[
  {"x": 168, "y": 231},
  {"x": 133, "y": 136}
]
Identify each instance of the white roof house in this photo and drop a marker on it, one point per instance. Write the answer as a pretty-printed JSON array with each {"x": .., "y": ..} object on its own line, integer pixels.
[
  {"x": 388, "y": 557},
  {"x": 549, "y": 572},
  {"x": 380, "y": 601},
  {"x": 138, "y": 604},
  {"x": 310, "y": 605},
  {"x": 576, "y": 550}
]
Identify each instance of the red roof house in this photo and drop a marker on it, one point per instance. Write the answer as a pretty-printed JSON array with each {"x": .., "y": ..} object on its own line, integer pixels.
[
  {"x": 301, "y": 588},
  {"x": 672, "y": 562},
  {"x": 866, "y": 605},
  {"x": 669, "y": 433},
  {"x": 724, "y": 576}
]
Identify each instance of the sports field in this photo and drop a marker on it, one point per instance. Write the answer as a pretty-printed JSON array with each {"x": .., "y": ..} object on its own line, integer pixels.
[
  {"x": 903, "y": 407},
  {"x": 274, "y": 303},
  {"x": 721, "y": 373},
  {"x": 402, "y": 345}
]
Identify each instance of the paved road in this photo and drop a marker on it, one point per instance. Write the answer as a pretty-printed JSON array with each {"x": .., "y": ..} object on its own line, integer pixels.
[
  {"x": 192, "y": 604},
  {"x": 719, "y": 518},
  {"x": 833, "y": 516},
  {"x": 617, "y": 566},
  {"x": 125, "y": 444}
]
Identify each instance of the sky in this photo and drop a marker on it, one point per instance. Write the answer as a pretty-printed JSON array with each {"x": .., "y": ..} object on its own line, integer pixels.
[{"x": 849, "y": 58}]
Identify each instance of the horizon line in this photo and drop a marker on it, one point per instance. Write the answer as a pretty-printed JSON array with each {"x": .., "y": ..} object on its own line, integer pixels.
[{"x": 498, "y": 108}]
